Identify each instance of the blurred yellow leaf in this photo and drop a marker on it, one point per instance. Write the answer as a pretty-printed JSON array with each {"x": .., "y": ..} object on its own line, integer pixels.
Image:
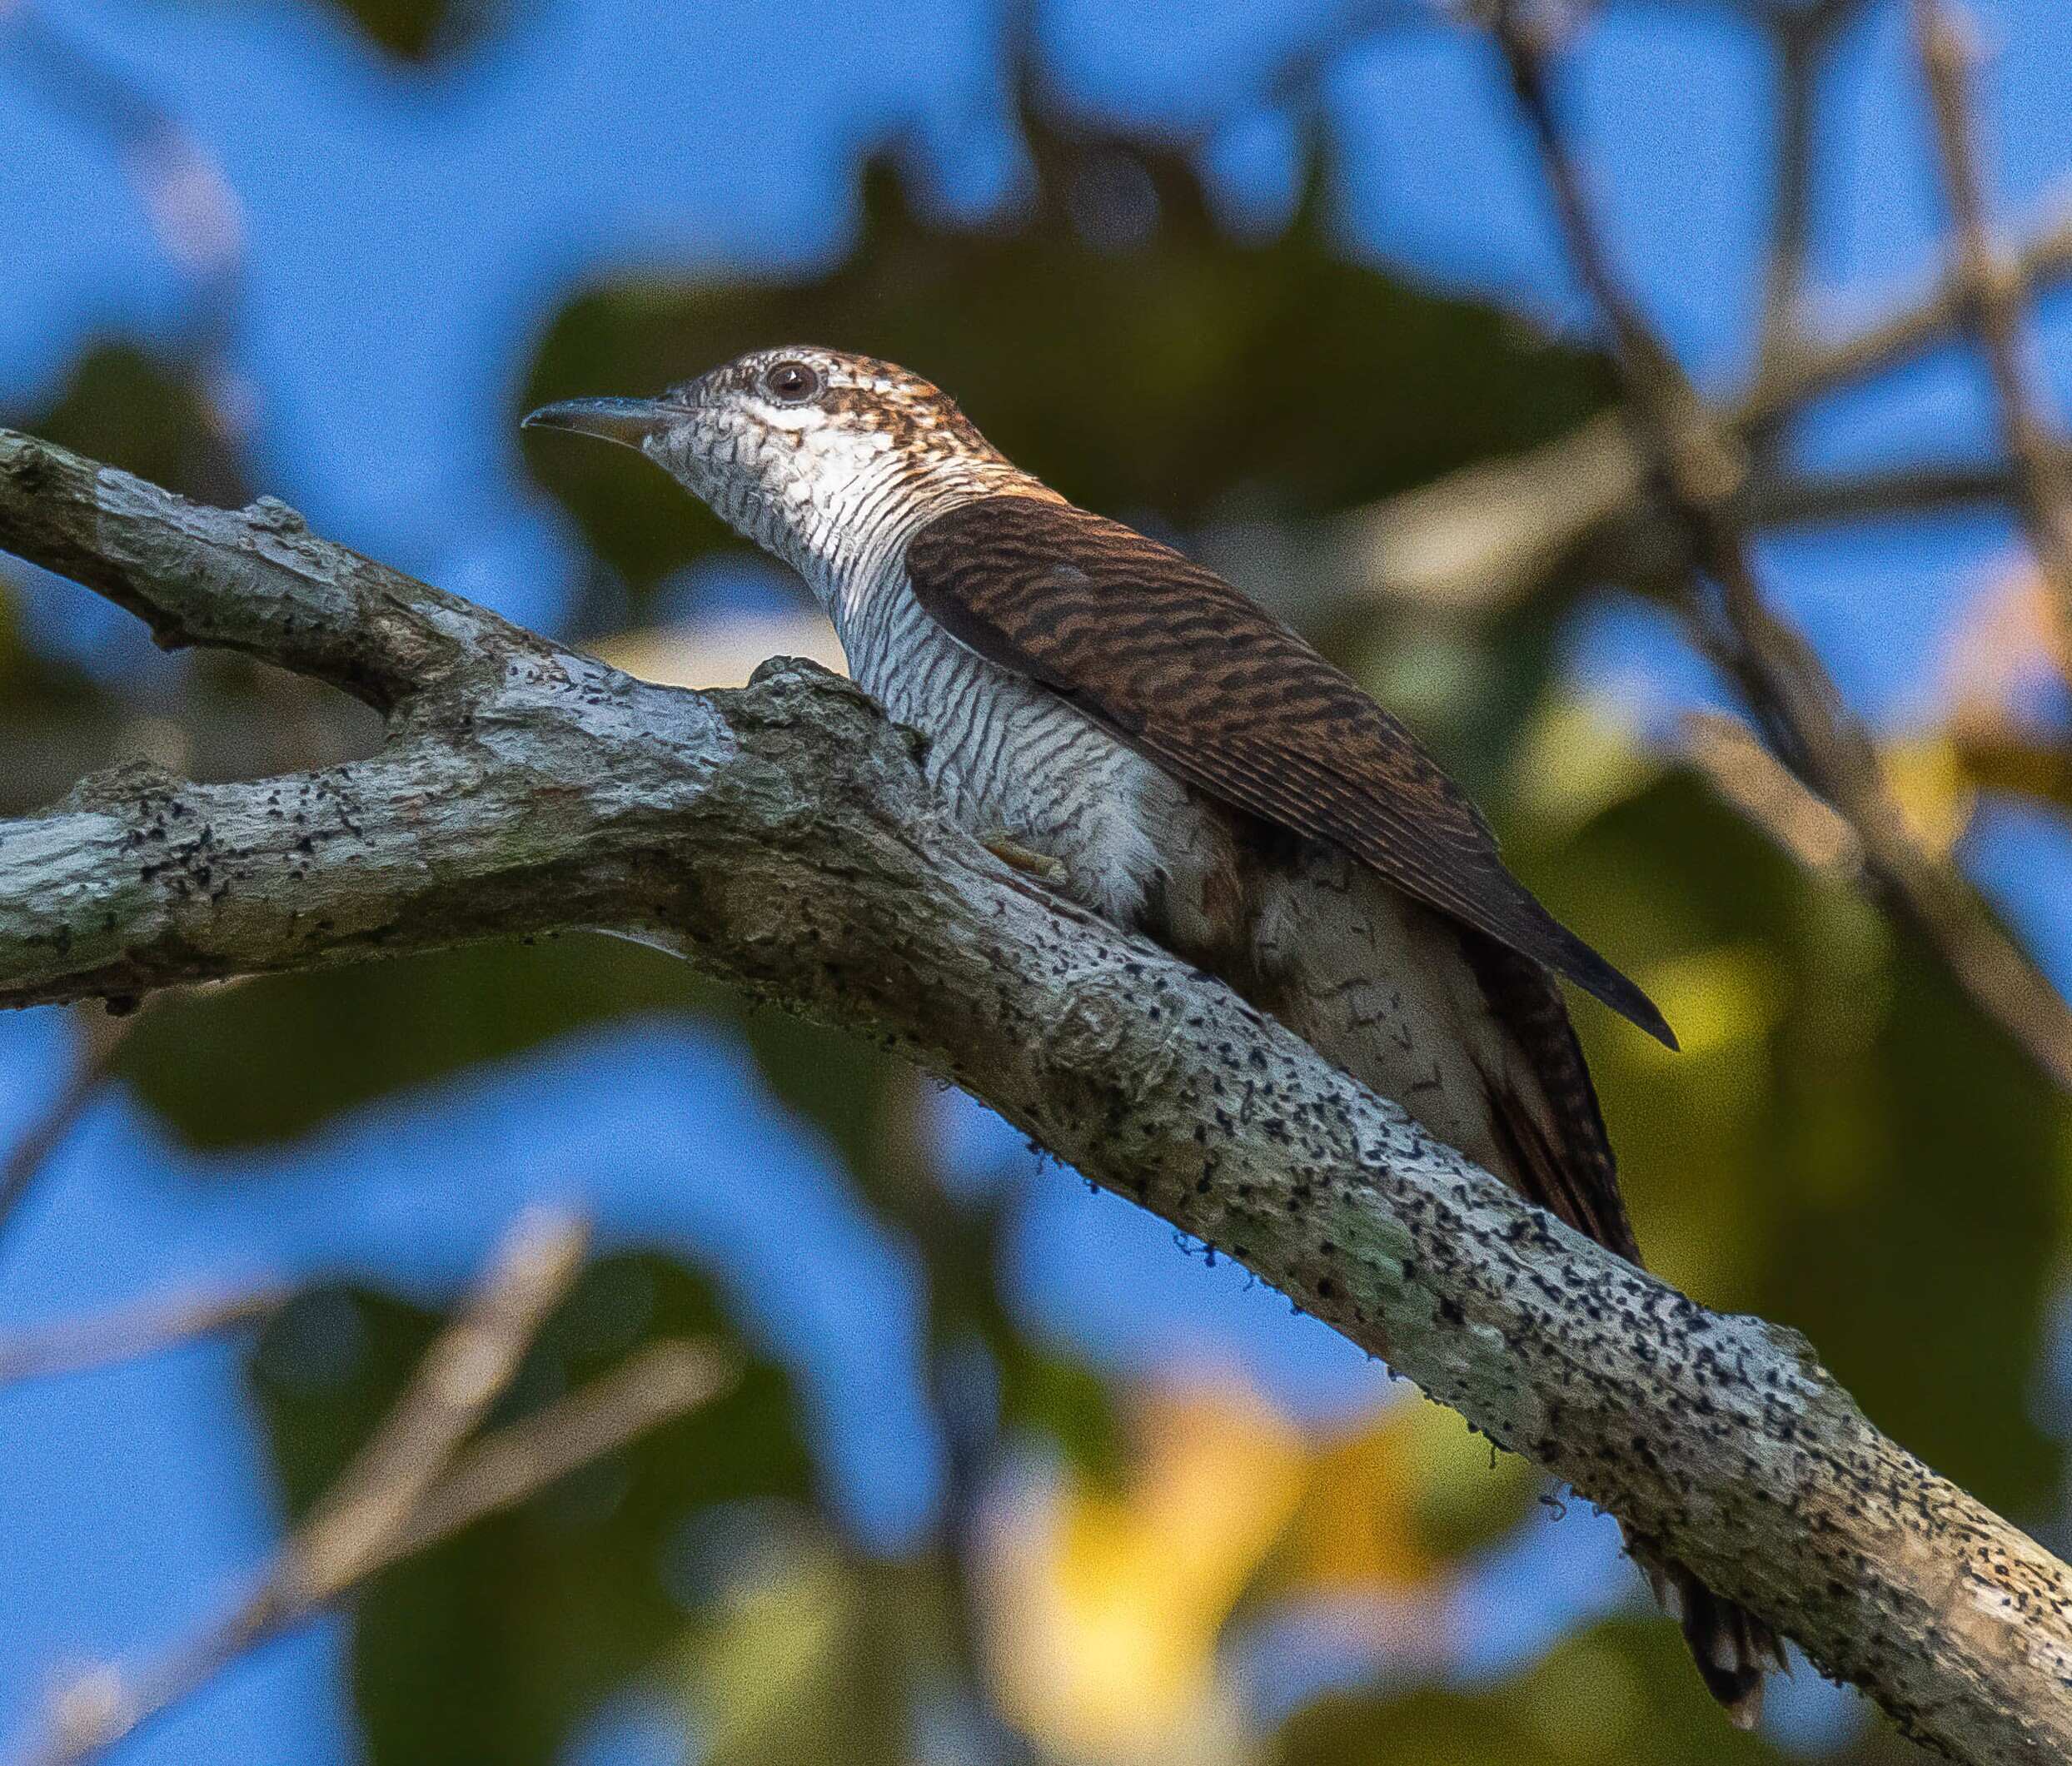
[
  {"x": 1574, "y": 761},
  {"x": 1392, "y": 1504},
  {"x": 2005, "y": 649},
  {"x": 1107, "y": 1607},
  {"x": 1928, "y": 779},
  {"x": 1730, "y": 993}
]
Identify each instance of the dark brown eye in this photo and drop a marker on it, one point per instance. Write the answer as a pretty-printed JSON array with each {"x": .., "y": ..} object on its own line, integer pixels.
[{"x": 791, "y": 383}]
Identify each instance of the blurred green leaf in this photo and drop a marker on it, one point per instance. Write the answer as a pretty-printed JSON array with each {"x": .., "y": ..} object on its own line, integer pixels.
[
  {"x": 810, "y": 1656},
  {"x": 273, "y": 1056},
  {"x": 1617, "y": 1694},
  {"x": 1066, "y": 1402},
  {"x": 1844, "y": 1145},
  {"x": 128, "y": 408},
  {"x": 1114, "y": 338}
]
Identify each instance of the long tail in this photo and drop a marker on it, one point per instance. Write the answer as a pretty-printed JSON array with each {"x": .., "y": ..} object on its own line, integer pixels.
[
  {"x": 1733, "y": 1649},
  {"x": 1564, "y": 1164},
  {"x": 1318, "y": 958}
]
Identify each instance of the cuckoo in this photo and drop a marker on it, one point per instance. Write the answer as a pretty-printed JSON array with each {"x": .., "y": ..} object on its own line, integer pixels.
[{"x": 1105, "y": 713}]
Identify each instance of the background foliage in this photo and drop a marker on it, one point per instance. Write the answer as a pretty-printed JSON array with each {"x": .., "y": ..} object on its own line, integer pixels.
[{"x": 1009, "y": 1475}]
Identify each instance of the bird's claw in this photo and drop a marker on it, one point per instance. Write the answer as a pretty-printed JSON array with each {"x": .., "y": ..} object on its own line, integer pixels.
[{"x": 1009, "y": 850}]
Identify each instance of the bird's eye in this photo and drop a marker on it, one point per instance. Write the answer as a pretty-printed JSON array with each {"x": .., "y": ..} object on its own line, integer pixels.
[{"x": 791, "y": 383}]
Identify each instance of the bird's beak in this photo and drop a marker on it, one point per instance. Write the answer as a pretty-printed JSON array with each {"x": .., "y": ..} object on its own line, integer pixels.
[{"x": 628, "y": 420}]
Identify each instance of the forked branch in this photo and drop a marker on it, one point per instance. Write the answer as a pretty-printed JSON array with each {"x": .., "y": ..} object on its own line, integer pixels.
[{"x": 782, "y": 839}]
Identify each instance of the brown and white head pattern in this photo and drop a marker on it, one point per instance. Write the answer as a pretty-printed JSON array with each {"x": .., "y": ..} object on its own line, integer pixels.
[{"x": 826, "y": 459}]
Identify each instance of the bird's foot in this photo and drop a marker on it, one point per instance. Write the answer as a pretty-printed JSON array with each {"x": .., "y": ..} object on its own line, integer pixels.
[{"x": 1004, "y": 847}]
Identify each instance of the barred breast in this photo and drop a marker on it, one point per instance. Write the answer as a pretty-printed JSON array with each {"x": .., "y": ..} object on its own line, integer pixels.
[
  {"x": 1374, "y": 981},
  {"x": 1011, "y": 758}
]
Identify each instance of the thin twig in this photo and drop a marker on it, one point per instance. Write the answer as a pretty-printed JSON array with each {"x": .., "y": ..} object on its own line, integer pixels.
[
  {"x": 1698, "y": 474},
  {"x": 461, "y": 1376},
  {"x": 130, "y": 1333},
  {"x": 1996, "y": 298},
  {"x": 498, "y": 1472},
  {"x": 525, "y": 1457},
  {"x": 102, "y": 1034},
  {"x": 367, "y": 1517},
  {"x": 1802, "y": 36},
  {"x": 1814, "y": 365}
]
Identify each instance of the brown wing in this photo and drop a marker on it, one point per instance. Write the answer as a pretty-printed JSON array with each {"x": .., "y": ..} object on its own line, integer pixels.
[{"x": 1170, "y": 659}]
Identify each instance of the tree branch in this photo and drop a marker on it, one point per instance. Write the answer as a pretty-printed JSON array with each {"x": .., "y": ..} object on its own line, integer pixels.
[
  {"x": 1995, "y": 295},
  {"x": 146, "y": 1328},
  {"x": 1699, "y": 470},
  {"x": 415, "y": 1483},
  {"x": 782, "y": 838},
  {"x": 257, "y": 581}
]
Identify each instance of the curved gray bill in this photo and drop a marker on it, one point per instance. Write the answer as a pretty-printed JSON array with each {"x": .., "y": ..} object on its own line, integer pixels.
[{"x": 628, "y": 420}]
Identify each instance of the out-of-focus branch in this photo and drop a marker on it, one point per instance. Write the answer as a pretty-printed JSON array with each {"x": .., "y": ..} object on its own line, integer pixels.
[
  {"x": 1815, "y": 366},
  {"x": 1994, "y": 295},
  {"x": 1816, "y": 498},
  {"x": 523, "y": 1458},
  {"x": 1802, "y": 34},
  {"x": 1492, "y": 532},
  {"x": 381, "y": 1506},
  {"x": 500, "y": 1471},
  {"x": 784, "y": 840},
  {"x": 130, "y": 1333},
  {"x": 461, "y": 1376},
  {"x": 103, "y": 1034},
  {"x": 1698, "y": 470},
  {"x": 1751, "y": 778}
]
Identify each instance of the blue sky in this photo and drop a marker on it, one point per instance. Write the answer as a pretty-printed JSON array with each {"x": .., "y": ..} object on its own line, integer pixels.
[{"x": 410, "y": 234}]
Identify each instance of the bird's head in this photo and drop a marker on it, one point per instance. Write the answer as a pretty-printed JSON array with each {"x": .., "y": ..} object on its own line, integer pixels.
[{"x": 820, "y": 456}]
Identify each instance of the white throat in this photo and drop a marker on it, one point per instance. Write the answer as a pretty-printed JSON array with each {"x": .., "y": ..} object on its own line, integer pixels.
[{"x": 843, "y": 520}]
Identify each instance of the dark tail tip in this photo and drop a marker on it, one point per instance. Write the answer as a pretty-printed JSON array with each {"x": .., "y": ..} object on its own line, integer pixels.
[{"x": 1733, "y": 1649}]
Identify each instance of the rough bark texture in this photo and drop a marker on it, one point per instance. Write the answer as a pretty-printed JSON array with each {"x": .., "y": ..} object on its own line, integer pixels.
[{"x": 781, "y": 838}]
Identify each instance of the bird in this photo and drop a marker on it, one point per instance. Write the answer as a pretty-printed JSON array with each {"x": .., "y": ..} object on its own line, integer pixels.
[{"x": 1121, "y": 722}]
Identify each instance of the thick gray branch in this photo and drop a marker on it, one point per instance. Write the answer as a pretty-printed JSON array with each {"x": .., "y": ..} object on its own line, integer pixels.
[
  {"x": 257, "y": 581},
  {"x": 782, "y": 838}
]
